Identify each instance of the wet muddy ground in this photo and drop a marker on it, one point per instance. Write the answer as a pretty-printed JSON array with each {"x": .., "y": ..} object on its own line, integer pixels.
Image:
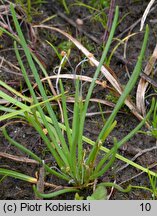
[{"x": 131, "y": 11}]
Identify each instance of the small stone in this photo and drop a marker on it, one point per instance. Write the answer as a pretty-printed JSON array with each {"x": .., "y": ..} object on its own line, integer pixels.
[{"x": 79, "y": 21}]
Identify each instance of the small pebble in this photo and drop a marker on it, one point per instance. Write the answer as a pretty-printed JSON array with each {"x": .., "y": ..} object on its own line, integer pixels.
[{"x": 79, "y": 21}]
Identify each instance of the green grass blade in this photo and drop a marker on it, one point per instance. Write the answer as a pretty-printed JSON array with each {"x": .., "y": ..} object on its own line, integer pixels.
[
  {"x": 14, "y": 92},
  {"x": 24, "y": 108},
  {"x": 12, "y": 100},
  {"x": 65, "y": 6},
  {"x": 29, "y": 6},
  {"x": 76, "y": 132},
  {"x": 55, "y": 50},
  {"x": 65, "y": 114},
  {"x": 53, "y": 194},
  {"x": 95, "y": 150},
  {"x": 18, "y": 175},
  {"x": 97, "y": 174},
  {"x": 10, "y": 34},
  {"x": 119, "y": 188}
]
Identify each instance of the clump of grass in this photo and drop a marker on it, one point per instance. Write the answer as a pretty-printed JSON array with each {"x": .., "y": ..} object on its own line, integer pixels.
[
  {"x": 74, "y": 164},
  {"x": 96, "y": 9},
  {"x": 28, "y": 7}
]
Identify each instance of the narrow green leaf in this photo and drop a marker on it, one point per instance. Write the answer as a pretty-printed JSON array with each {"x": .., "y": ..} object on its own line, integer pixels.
[
  {"x": 119, "y": 188},
  {"x": 18, "y": 175},
  {"x": 24, "y": 98},
  {"x": 65, "y": 114},
  {"x": 97, "y": 174},
  {"x": 95, "y": 150},
  {"x": 75, "y": 131},
  {"x": 53, "y": 194}
]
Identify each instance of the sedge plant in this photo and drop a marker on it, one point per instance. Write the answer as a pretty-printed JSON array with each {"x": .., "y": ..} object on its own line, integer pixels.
[{"x": 74, "y": 164}]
